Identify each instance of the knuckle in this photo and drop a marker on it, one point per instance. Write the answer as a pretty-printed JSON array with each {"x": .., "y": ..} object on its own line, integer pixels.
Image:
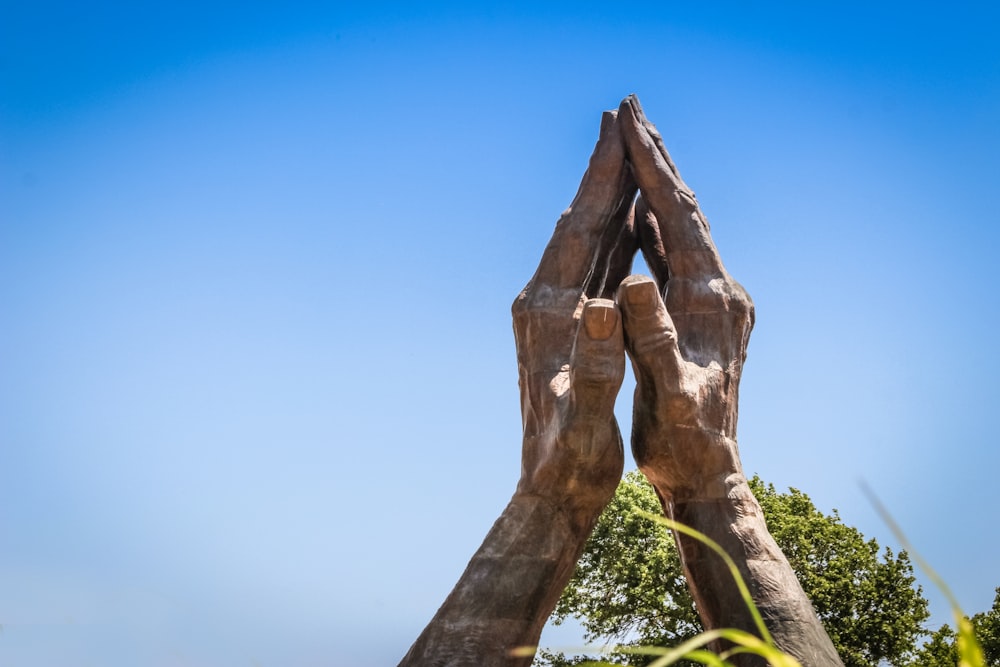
[
  {"x": 521, "y": 303},
  {"x": 739, "y": 299},
  {"x": 542, "y": 297}
]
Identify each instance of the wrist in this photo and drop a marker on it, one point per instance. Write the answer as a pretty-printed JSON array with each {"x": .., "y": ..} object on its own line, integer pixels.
[
  {"x": 688, "y": 463},
  {"x": 729, "y": 487},
  {"x": 569, "y": 519},
  {"x": 726, "y": 512}
]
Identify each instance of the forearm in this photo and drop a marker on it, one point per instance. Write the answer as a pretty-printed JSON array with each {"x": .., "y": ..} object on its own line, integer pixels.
[
  {"x": 507, "y": 591},
  {"x": 734, "y": 520}
]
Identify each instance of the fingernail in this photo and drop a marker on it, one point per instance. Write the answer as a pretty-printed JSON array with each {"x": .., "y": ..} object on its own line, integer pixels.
[
  {"x": 642, "y": 297},
  {"x": 600, "y": 320}
]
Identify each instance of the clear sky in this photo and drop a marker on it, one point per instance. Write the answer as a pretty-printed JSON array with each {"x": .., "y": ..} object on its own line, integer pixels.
[{"x": 258, "y": 400}]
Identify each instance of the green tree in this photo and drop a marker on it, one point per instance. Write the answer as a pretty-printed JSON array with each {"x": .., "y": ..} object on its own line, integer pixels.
[
  {"x": 629, "y": 586},
  {"x": 987, "y": 625},
  {"x": 940, "y": 649}
]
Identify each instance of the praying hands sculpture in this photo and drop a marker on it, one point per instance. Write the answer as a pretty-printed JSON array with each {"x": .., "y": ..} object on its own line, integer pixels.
[{"x": 686, "y": 333}]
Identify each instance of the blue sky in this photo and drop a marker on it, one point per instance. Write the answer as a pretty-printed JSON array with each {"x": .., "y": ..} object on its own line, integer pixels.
[{"x": 258, "y": 401}]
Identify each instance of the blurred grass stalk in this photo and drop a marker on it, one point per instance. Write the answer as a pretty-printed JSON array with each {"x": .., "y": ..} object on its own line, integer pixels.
[{"x": 970, "y": 653}]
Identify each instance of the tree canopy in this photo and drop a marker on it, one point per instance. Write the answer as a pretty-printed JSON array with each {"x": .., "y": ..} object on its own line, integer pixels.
[
  {"x": 940, "y": 649},
  {"x": 629, "y": 586}
]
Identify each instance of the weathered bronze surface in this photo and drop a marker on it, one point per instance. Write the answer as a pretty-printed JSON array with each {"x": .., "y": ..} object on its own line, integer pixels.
[{"x": 686, "y": 333}]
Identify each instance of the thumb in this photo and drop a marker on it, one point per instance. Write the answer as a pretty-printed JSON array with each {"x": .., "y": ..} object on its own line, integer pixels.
[
  {"x": 650, "y": 336},
  {"x": 597, "y": 365}
]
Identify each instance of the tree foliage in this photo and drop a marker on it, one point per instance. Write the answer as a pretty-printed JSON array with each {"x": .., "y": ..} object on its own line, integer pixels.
[
  {"x": 987, "y": 625},
  {"x": 940, "y": 649},
  {"x": 629, "y": 586}
]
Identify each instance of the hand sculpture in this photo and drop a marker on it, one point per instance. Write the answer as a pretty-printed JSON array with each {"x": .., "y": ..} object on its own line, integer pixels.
[
  {"x": 686, "y": 334},
  {"x": 571, "y": 362},
  {"x": 687, "y": 350}
]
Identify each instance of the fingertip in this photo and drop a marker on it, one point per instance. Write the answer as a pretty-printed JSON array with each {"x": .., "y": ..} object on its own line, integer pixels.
[
  {"x": 627, "y": 112},
  {"x": 600, "y": 319},
  {"x": 630, "y": 105},
  {"x": 648, "y": 330},
  {"x": 639, "y": 296},
  {"x": 598, "y": 362},
  {"x": 608, "y": 119},
  {"x": 600, "y": 341}
]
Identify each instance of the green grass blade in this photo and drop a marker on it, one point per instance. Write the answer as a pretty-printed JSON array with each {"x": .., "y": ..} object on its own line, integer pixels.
[
  {"x": 737, "y": 577},
  {"x": 970, "y": 653}
]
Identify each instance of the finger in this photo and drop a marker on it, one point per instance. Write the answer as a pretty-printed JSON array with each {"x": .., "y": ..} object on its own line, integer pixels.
[
  {"x": 572, "y": 252},
  {"x": 650, "y": 336},
  {"x": 689, "y": 250},
  {"x": 648, "y": 232},
  {"x": 597, "y": 365},
  {"x": 618, "y": 248}
]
